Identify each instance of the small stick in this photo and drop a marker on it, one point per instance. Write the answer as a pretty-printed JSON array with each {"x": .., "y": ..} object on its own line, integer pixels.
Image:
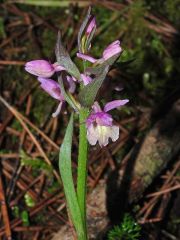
[
  {"x": 8, "y": 62},
  {"x": 42, "y": 204},
  {"x": 4, "y": 211},
  {"x": 16, "y": 114},
  {"x": 103, "y": 166},
  {"x": 164, "y": 191}
]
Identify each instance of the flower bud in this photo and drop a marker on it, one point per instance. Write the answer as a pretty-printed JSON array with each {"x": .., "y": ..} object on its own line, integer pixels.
[
  {"x": 111, "y": 50},
  {"x": 91, "y": 26}
]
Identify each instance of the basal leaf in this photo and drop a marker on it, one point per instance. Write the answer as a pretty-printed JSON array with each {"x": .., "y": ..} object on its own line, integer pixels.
[
  {"x": 64, "y": 59},
  {"x": 89, "y": 92},
  {"x": 65, "y": 169}
]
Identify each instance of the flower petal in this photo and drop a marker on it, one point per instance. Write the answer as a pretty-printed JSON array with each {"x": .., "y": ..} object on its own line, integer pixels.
[
  {"x": 103, "y": 119},
  {"x": 115, "y": 104},
  {"x": 111, "y": 50},
  {"x": 40, "y": 68},
  {"x": 116, "y": 42},
  {"x": 86, "y": 79},
  {"x": 58, "y": 67},
  {"x": 92, "y": 135},
  {"x": 103, "y": 135},
  {"x": 96, "y": 108},
  {"x": 51, "y": 87},
  {"x": 58, "y": 110},
  {"x": 114, "y": 133},
  {"x": 107, "y": 132},
  {"x": 86, "y": 57},
  {"x": 72, "y": 85}
]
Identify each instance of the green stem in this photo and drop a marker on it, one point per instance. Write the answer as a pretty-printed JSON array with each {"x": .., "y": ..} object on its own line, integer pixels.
[{"x": 82, "y": 166}]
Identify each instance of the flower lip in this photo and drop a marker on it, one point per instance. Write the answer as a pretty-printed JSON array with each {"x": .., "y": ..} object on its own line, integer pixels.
[
  {"x": 102, "y": 134},
  {"x": 40, "y": 68},
  {"x": 99, "y": 118}
]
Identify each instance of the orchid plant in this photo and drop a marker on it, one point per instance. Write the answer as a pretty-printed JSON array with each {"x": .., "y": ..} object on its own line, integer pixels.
[{"x": 95, "y": 124}]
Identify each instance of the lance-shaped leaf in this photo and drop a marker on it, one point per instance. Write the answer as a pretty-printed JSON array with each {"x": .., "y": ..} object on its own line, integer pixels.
[
  {"x": 65, "y": 169},
  {"x": 89, "y": 92},
  {"x": 64, "y": 59},
  {"x": 67, "y": 96},
  {"x": 83, "y": 26}
]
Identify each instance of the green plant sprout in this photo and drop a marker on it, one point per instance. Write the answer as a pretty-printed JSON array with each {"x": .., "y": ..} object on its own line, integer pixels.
[{"x": 127, "y": 230}]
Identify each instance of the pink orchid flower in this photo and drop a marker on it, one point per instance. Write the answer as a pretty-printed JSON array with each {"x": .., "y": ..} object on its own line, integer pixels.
[
  {"x": 111, "y": 50},
  {"x": 53, "y": 89},
  {"x": 42, "y": 68},
  {"x": 100, "y": 127}
]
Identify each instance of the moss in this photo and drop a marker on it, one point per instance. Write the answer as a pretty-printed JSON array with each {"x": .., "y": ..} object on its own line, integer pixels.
[
  {"x": 42, "y": 106},
  {"x": 36, "y": 164}
]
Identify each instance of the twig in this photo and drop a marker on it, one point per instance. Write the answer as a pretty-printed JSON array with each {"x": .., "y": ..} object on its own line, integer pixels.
[
  {"x": 8, "y": 62},
  {"x": 164, "y": 191},
  {"x": 16, "y": 114},
  {"x": 150, "y": 205},
  {"x": 5, "y": 211},
  {"x": 42, "y": 204},
  {"x": 169, "y": 235}
]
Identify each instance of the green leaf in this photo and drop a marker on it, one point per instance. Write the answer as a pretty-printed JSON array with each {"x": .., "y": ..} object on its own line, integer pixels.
[
  {"x": 29, "y": 200},
  {"x": 25, "y": 218},
  {"x": 67, "y": 179},
  {"x": 128, "y": 229},
  {"x": 64, "y": 59},
  {"x": 83, "y": 26},
  {"x": 54, "y": 3},
  {"x": 89, "y": 92}
]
